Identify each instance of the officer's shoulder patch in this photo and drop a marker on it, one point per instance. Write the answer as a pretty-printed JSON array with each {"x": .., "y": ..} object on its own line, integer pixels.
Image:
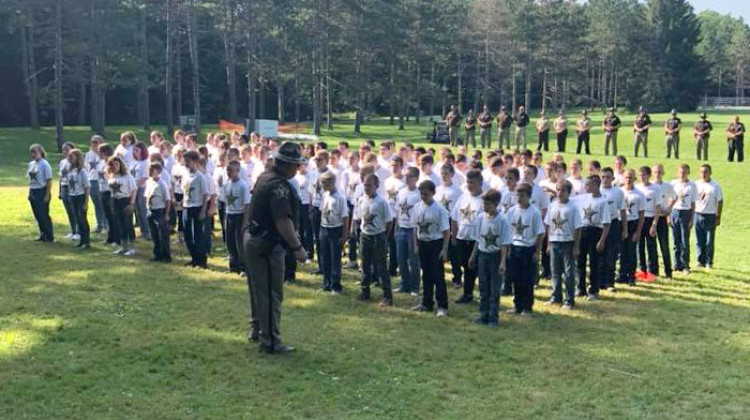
[{"x": 280, "y": 191}]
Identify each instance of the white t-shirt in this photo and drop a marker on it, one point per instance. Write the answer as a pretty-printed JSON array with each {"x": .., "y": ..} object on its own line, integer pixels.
[
  {"x": 122, "y": 186},
  {"x": 508, "y": 199},
  {"x": 236, "y": 195},
  {"x": 563, "y": 220},
  {"x": 466, "y": 213},
  {"x": 62, "y": 171},
  {"x": 156, "y": 193},
  {"x": 220, "y": 178},
  {"x": 39, "y": 173},
  {"x": 333, "y": 210},
  {"x": 374, "y": 213},
  {"x": 709, "y": 196},
  {"x": 494, "y": 232},
  {"x": 304, "y": 183},
  {"x": 447, "y": 196},
  {"x": 435, "y": 178},
  {"x": 579, "y": 186},
  {"x": 392, "y": 187},
  {"x": 139, "y": 170},
  {"x": 668, "y": 195},
  {"x": 594, "y": 210},
  {"x": 91, "y": 162},
  {"x": 316, "y": 188},
  {"x": 686, "y": 194},
  {"x": 525, "y": 225},
  {"x": 652, "y": 193},
  {"x": 405, "y": 201},
  {"x": 349, "y": 181},
  {"x": 539, "y": 198},
  {"x": 431, "y": 220},
  {"x": 635, "y": 202},
  {"x": 616, "y": 200},
  {"x": 196, "y": 186},
  {"x": 178, "y": 172},
  {"x": 78, "y": 182},
  {"x": 126, "y": 154}
]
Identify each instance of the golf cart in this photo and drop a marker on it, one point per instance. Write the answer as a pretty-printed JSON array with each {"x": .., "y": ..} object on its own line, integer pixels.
[{"x": 439, "y": 133}]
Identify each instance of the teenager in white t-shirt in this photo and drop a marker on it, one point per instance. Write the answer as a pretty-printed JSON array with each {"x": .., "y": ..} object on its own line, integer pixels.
[
  {"x": 636, "y": 206},
  {"x": 527, "y": 233},
  {"x": 564, "y": 224},
  {"x": 647, "y": 245},
  {"x": 408, "y": 260},
  {"x": 376, "y": 220},
  {"x": 594, "y": 211},
  {"x": 334, "y": 227},
  {"x": 662, "y": 225},
  {"x": 708, "y": 210},
  {"x": 683, "y": 213}
]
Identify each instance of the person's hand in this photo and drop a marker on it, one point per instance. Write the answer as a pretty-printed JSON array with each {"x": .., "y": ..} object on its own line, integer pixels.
[
  {"x": 718, "y": 221},
  {"x": 652, "y": 231},
  {"x": 636, "y": 237},
  {"x": 600, "y": 245},
  {"x": 46, "y": 198},
  {"x": 472, "y": 262},
  {"x": 624, "y": 235},
  {"x": 576, "y": 252},
  {"x": 85, "y": 206},
  {"x": 453, "y": 241},
  {"x": 129, "y": 209},
  {"x": 536, "y": 256},
  {"x": 443, "y": 255},
  {"x": 202, "y": 215},
  {"x": 547, "y": 250},
  {"x": 166, "y": 219},
  {"x": 501, "y": 268},
  {"x": 300, "y": 254}
]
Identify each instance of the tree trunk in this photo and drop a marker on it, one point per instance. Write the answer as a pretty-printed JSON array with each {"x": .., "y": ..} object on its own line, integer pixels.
[
  {"x": 513, "y": 88},
  {"x": 261, "y": 99},
  {"x": 144, "y": 109},
  {"x": 392, "y": 97},
  {"x": 432, "y": 89},
  {"x": 230, "y": 58},
  {"x": 418, "y": 94},
  {"x": 543, "y": 104},
  {"x": 280, "y": 101},
  {"x": 168, "y": 67},
  {"x": 58, "y": 77},
  {"x": 81, "y": 99},
  {"x": 179, "y": 109},
  {"x": 29, "y": 68},
  {"x": 195, "y": 64},
  {"x": 475, "y": 107},
  {"x": 460, "y": 84},
  {"x": 297, "y": 99}
]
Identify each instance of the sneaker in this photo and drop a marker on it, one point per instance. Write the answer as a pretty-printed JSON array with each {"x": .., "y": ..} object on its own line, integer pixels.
[
  {"x": 386, "y": 302},
  {"x": 464, "y": 299},
  {"x": 414, "y": 294},
  {"x": 526, "y": 313},
  {"x": 420, "y": 308},
  {"x": 480, "y": 320},
  {"x": 611, "y": 289},
  {"x": 352, "y": 264},
  {"x": 442, "y": 312},
  {"x": 551, "y": 302},
  {"x": 129, "y": 253},
  {"x": 512, "y": 311},
  {"x": 592, "y": 297},
  {"x": 335, "y": 292},
  {"x": 68, "y": 236},
  {"x": 686, "y": 271},
  {"x": 493, "y": 323},
  {"x": 75, "y": 237},
  {"x": 567, "y": 306},
  {"x": 709, "y": 267},
  {"x": 119, "y": 251},
  {"x": 457, "y": 285}
]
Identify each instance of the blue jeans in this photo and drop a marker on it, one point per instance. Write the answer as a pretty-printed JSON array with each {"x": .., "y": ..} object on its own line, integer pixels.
[
  {"x": 705, "y": 235},
  {"x": 141, "y": 212},
  {"x": 408, "y": 260},
  {"x": 563, "y": 264},
  {"x": 101, "y": 221},
  {"x": 194, "y": 235},
  {"x": 681, "y": 225},
  {"x": 490, "y": 285},
  {"x": 67, "y": 204},
  {"x": 330, "y": 263}
]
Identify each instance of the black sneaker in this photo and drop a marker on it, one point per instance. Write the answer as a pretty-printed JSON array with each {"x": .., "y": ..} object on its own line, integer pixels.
[
  {"x": 364, "y": 296},
  {"x": 279, "y": 349},
  {"x": 493, "y": 322},
  {"x": 386, "y": 302},
  {"x": 464, "y": 299},
  {"x": 481, "y": 320},
  {"x": 421, "y": 308}
]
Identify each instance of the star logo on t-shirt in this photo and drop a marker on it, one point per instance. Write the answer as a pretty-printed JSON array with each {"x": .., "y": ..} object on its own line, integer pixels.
[
  {"x": 519, "y": 226},
  {"x": 558, "y": 221},
  {"x": 231, "y": 198},
  {"x": 116, "y": 187},
  {"x": 683, "y": 197},
  {"x": 33, "y": 175},
  {"x": 65, "y": 172},
  {"x": 391, "y": 194},
  {"x": 178, "y": 179},
  {"x": 703, "y": 196},
  {"x": 327, "y": 213},
  {"x": 134, "y": 172},
  {"x": 648, "y": 199},
  {"x": 406, "y": 208},
  {"x": 589, "y": 213},
  {"x": 151, "y": 200},
  {"x": 352, "y": 188},
  {"x": 369, "y": 218},
  {"x": 467, "y": 213},
  {"x": 92, "y": 165},
  {"x": 72, "y": 183},
  {"x": 445, "y": 202},
  {"x": 220, "y": 182},
  {"x": 190, "y": 191},
  {"x": 489, "y": 237},
  {"x": 424, "y": 225}
]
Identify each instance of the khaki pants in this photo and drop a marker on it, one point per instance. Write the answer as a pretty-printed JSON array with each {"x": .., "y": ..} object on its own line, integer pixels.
[
  {"x": 266, "y": 284},
  {"x": 503, "y": 134},
  {"x": 453, "y": 133},
  {"x": 638, "y": 140},
  {"x": 701, "y": 148},
  {"x": 673, "y": 143},
  {"x": 471, "y": 138},
  {"x": 520, "y": 137},
  {"x": 610, "y": 138},
  {"x": 485, "y": 137}
]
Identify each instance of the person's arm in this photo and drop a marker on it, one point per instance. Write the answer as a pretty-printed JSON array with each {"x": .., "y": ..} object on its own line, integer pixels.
[
  {"x": 246, "y": 215},
  {"x": 454, "y": 231},
  {"x": 576, "y": 243},
  {"x": 538, "y": 250},
  {"x": 414, "y": 241},
  {"x": 204, "y": 207},
  {"x": 547, "y": 249},
  {"x": 444, "y": 251},
  {"x": 657, "y": 214},
  {"x": 503, "y": 257},
  {"x": 167, "y": 207},
  {"x": 637, "y": 234},
  {"x": 720, "y": 207},
  {"x": 388, "y": 227},
  {"x": 48, "y": 188},
  {"x": 344, "y": 230},
  {"x": 285, "y": 227},
  {"x": 624, "y": 224},
  {"x": 473, "y": 257},
  {"x": 603, "y": 237}
]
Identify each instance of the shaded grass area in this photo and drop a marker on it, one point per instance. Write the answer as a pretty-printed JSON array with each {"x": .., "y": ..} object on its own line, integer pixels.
[{"x": 88, "y": 335}]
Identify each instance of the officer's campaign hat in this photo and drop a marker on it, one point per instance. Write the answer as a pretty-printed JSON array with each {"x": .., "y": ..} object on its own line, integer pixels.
[{"x": 289, "y": 152}]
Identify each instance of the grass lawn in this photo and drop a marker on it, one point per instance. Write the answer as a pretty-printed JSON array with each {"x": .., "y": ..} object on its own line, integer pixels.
[{"x": 88, "y": 335}]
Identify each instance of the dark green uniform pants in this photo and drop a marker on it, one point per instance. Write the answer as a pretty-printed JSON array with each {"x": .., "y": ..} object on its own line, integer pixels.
[{"x": 266, "y": 284}]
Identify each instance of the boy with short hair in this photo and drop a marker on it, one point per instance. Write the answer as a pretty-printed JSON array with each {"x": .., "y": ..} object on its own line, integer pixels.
[
  {"x": 333, "y": 230},
  {"x": 408, "y": 260},
  {"x": 465, "y": 218},
  {"x": 618, "y": 230},
  {"x": 447, "y": 194},
  {"x": 195, "y": 203},
  {"x": 490, "y": 256},
  {"x": 158, "y": 199},
  {"x": 236, "y": 195},
  {"x": 636, "y": 204},
  {"x": 527, "y": 232},
  {"x": 596, "y": 223},
  {"x": 652, "y": 211},
  {"x": 682, "y": 215},
  {"x": 432, "y": 236},
  {"x": 564, "y": 231},
  {"x": 376, "y": 220}
]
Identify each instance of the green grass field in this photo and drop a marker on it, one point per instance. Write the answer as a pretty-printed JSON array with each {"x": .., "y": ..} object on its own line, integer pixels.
[{"x": 88, "y": 335}]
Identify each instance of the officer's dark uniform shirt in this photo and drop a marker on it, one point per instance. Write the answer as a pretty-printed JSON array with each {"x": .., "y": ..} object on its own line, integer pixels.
[
  {"x": 485, "y": 120},
  {"x": 273, "y": 199},
  {"x": 522, "y": 120},
  {"x": 642, "y": 121},
  {"x": 470, "y": 123},
  {"x": 736, "y": 128},
  {"x": 703, "y": 125},
  {"x": 508, "y": 120},
  {"x": 673, "y": 123},
  {"x": 453, "y": 118},
  {"x": 613, "y": 121}
]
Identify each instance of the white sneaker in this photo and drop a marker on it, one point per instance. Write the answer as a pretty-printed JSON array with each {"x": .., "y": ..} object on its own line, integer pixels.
[
  {"x": 442, "y": 312},
  {"x": 414, "y": 294},
  {"x": 119, "y": 251},
  {"x": 75, "y": 237},
  {"x": 68, "y": 236},
  {"x": 129, "y": 253}
]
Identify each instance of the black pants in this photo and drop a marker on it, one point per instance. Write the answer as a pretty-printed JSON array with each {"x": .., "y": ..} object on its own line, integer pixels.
[
  {"x": 662, "y": 235},
  {"x": 315, "y": 216},
  {"x": 40, "y": 208},
  {"x": 611, "y": 252},
  {"x": 521, "y": 273},
  {"x": 374, "y": 264},
  {"x": 433, "y": 275},
  {"x": 562, "y": 138},
  {"x": 543, "y": 140},
  {"x": 628, "y": 255},
  {"x": 583, "y": 138},
  {"x": 590, "y": 236},
  {"x": 455, "y": 262},
  {"x": 221, "y": 208},
  {"x": 109, "y": 216},
  {"x": 159, "y": 229},
  {"x": 305, "y": 228},
  {"x": 648, "y": 244},
  {"x": 78, "y": 207},
  {"x": 392, "y": 254},
  {"x": 194, "y": 235},
  {"x": 234, "y": 241},
  {"x": 546, "y": 268},
  {"x": 464, "y": 249},
  {"x": 179, "y": 213},
  {"x": 736, "y": 147},
  {"x": 123, "y": 220}
]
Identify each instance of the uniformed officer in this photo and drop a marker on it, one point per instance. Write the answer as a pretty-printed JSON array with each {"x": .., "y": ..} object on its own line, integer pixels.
[
  {"x": 610, "y": 125},
  {"x": 470, "y": 125},
  {"x": 736, "y": 139},
  {"x": 561, "y": 130},
  {"x": 485, "y": 127},
  {"x": 452, "y": 119},
  {"x": 522, "y": 120},
  {"x": 702, "y": 132},
  {"x": 672, "y": 129},
  {"x": 583, "y": 128},
  {"x": 270, "y": 226},
  {"x": 640, "y": 129},
  {"x": 504, "y": 120},
  {"x": 542, "y": 130}
]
